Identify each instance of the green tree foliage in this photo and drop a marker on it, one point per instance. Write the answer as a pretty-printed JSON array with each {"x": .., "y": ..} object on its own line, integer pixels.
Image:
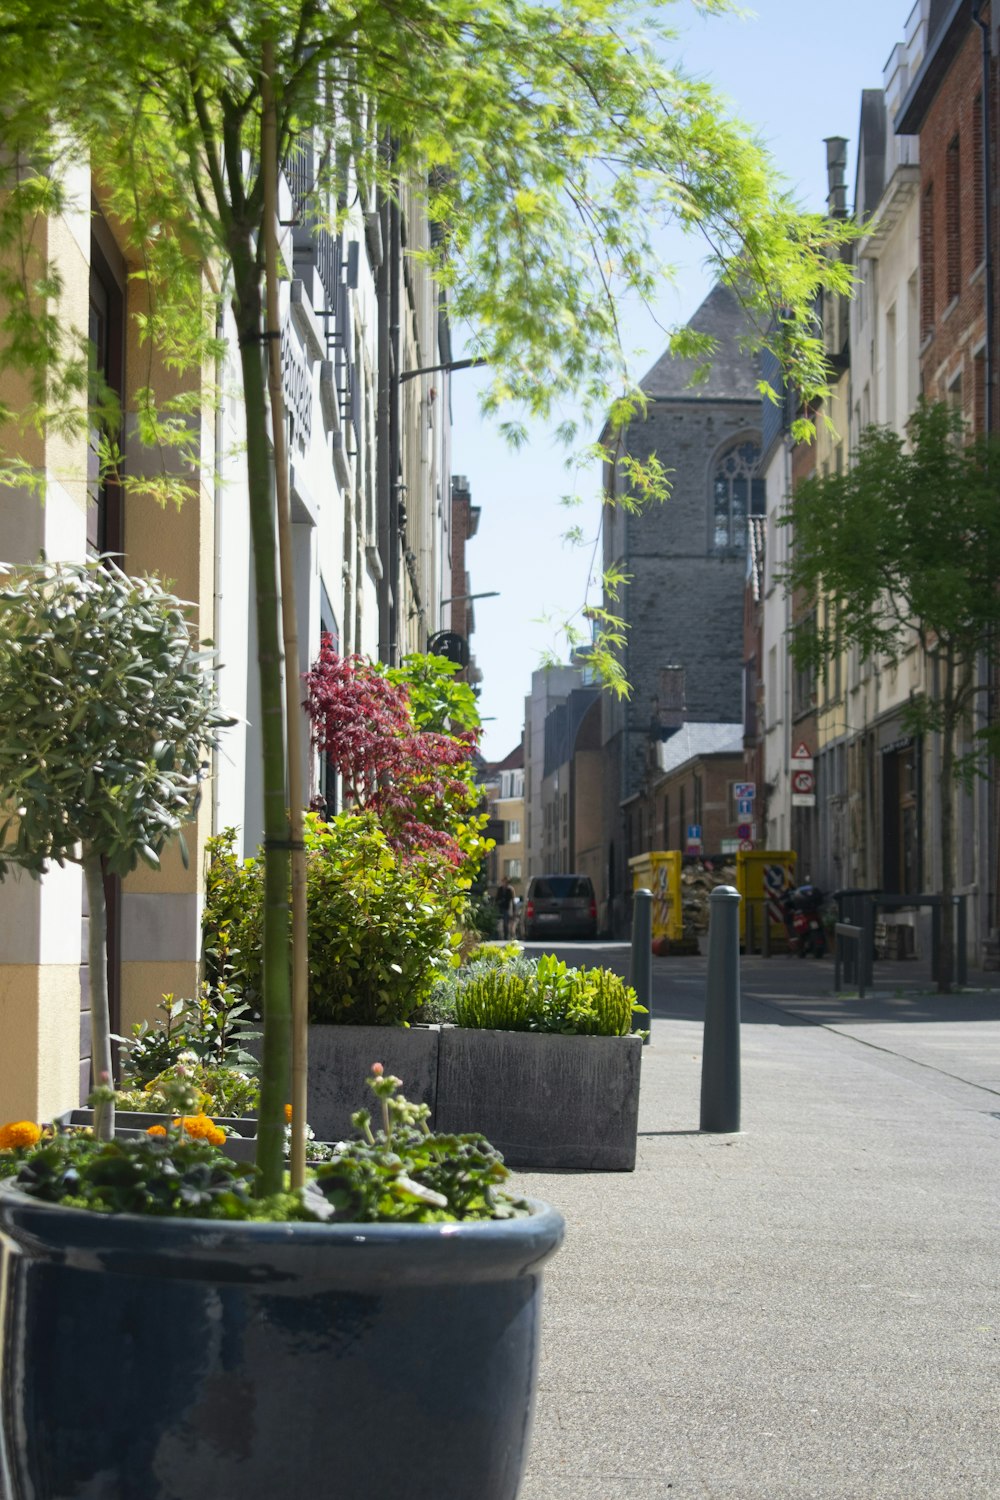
[
  {"x": 903, "y": 546},
  {"x": 549, "y": 139},
  {"x": 106, "y": 710},
  {"x": 379, "y": 926}
]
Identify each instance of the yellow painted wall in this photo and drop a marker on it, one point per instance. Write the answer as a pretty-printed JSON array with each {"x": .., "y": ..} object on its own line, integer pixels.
[{"x": 40, "y": 1027}]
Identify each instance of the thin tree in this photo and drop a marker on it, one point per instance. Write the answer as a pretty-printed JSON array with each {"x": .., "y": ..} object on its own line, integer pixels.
[
  {"x": 904, "y": 548},
  {"x": 106, "y": 710},
  {"x": 550, "y": 141}
]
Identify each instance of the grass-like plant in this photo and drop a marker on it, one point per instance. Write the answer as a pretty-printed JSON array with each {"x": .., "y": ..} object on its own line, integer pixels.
[{"x": 550, "y": 997}]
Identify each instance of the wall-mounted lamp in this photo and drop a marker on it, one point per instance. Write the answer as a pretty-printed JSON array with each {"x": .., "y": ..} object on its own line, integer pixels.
[{"x": 460, "y": 598}]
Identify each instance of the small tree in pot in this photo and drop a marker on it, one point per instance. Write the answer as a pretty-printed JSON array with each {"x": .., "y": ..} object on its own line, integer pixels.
[{"x": 106, "y": 709}]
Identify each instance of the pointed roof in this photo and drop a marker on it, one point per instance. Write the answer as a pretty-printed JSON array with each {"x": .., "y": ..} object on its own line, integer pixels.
[{"x": 733, "y": 374}]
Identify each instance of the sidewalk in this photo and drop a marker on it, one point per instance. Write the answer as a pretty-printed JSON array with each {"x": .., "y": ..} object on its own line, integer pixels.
[{"x": 807, "y": 1309}]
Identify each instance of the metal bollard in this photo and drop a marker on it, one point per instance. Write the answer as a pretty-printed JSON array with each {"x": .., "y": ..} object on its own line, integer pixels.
[
  {"x": 641, "y": 968},
  {"x": 720, "y": 1064}
]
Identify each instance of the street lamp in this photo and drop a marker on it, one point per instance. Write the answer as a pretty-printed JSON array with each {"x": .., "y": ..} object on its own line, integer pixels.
[{"x": 460, "y": 598}]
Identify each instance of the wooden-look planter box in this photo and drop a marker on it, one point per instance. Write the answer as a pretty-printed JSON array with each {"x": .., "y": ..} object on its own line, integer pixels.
[{"x": 543, "y": 1101}]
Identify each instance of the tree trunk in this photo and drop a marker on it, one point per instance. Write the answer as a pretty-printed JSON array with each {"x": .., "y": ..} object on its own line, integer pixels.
[
  {"x": 97, "y": 965},
  {"x": 293, "y": 712},
  {"x": 275, "y": 970}
]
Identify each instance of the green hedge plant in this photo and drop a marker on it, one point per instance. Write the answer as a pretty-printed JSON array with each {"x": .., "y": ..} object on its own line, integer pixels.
[{"x": 380, "y": 927}]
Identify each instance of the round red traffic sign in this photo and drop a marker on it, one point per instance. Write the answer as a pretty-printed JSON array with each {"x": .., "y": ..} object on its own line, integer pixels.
[
  {"x": 803, "y": 781},
  {"x": 746, "y": 845},
  {"x": 744, "y": 831}
]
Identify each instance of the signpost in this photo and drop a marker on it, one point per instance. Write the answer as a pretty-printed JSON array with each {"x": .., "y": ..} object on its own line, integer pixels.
[
  {"x": 744, "y": 793},
  {"x": 803, "y": 776}
]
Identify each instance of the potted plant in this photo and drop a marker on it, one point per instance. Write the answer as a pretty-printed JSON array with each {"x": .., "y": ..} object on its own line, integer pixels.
[
  {"x": 543, "y": 1059},
  {"x": 382, "y": 1320},
  {"x": 378, "y": 926},
  {"x": 106, "y": 710},
  {"x": 388, "y": 879}
]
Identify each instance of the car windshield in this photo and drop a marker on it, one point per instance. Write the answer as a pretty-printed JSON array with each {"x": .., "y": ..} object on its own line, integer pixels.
[{"x": 562, "y": 887}]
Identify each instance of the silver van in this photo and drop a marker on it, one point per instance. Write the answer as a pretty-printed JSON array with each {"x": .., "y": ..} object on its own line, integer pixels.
[{"x": 560, "y": 906}]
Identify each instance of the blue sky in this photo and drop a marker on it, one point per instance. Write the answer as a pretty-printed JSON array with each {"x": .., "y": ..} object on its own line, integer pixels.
[{"x": 795, "y": 73}]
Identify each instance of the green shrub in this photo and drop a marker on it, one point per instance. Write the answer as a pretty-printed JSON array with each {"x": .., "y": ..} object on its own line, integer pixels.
[
  {"x": 379, "y": 927},
  {"x": 544, "y": 996}
]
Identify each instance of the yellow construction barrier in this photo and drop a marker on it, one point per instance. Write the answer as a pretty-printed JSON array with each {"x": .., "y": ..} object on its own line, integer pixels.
[
  {"x": 761, "y": 876},
  {"x": 660, "y": 872}
]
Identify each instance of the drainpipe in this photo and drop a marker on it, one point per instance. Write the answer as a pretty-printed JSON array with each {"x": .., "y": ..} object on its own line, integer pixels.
[
  {"x": 987, "y": 210},
  {"x": 383, "y": 478},
  {"x": 989, "y": 792},
  {"x": 391, "y": 561}
]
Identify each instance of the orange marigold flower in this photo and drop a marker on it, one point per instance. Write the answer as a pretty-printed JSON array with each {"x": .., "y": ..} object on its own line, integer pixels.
[
  {"x": 156, "y": 1130},
  {"x": 19, "y": 1133},
  {"x": 203, "y": 1129}
]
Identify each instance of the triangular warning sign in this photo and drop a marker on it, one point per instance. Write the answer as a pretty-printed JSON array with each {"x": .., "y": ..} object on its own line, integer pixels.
[{"x": 802, "y": 751}]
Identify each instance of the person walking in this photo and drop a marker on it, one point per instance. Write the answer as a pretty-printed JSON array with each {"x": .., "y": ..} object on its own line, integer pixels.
[{"x": 505, "y": 906}]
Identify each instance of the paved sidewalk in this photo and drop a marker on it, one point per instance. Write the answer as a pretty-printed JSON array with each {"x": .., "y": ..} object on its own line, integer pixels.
[{"x": 807, "y": 1309}]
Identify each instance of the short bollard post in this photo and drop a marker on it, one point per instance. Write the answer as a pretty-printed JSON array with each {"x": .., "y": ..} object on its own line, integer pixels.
[
  {"x": 720, "y": 1063},
  {"x": 641, "y": 970}
]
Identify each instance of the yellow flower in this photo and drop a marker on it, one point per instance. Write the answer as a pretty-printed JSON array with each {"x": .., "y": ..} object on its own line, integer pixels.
[
  {"x": 19, "y": 1133},
  {"x": 288, "y": 1113},
  {"x": 157, "y": 1130},
  {"x": 203, "y": 1129}
]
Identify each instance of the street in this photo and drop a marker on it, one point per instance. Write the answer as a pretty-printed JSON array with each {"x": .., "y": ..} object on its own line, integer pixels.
[{"x": 808, "y": 1308}]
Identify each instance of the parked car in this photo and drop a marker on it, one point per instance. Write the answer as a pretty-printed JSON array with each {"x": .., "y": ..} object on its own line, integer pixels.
[{"x": 560, "y": 906}]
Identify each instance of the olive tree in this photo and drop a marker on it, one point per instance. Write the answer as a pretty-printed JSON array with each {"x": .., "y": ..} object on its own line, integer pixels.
[{"x": 106, "y": 710}]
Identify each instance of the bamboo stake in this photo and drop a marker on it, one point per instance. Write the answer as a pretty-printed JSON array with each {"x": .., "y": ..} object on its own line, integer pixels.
[{"x": 300, "y": 934}]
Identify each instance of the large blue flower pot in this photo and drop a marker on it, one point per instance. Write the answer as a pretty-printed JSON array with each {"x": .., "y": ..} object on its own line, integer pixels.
[{"x": 174, "y": 1359}]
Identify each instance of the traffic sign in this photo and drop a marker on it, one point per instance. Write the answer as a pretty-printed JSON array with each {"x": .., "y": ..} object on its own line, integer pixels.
[
  {"x": 744, "y": 807},
  {"x": 802, "y": 751},
  {"x": 803, "y": 782},
  {"x": 743, "y": 789},
  {"x": 746, "y": 845},
  {"x": 745, "y": 831}
]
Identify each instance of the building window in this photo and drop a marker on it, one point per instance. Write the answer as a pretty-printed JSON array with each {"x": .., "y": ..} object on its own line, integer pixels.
[
  {"x": 512, "y": 869},
  {"x": 513, "y": 830},
  {"x": 979, "y": 248},
  {"x": 737, "y": 494},
  {"x": 106, "y": 313},
  {"x": 953, "y": 218},
  {"x": 927, "y": 262}
]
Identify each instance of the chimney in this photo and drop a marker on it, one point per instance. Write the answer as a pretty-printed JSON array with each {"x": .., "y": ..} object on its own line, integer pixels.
[{"x": 836, "y": 168}]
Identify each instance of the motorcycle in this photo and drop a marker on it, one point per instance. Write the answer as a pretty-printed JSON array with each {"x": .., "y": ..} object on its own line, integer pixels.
[{"x": 800, "y": 909}]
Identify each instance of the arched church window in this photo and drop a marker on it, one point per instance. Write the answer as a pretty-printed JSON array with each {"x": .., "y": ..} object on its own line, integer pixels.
[{"x": 737, "y": 493}]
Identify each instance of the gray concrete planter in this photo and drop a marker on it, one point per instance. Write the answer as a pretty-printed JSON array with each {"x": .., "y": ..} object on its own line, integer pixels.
[
  {"x": 340, "y": 1059},
  {"x": 241, "y": 1144},
  {"x": 543, "y": 1101}
]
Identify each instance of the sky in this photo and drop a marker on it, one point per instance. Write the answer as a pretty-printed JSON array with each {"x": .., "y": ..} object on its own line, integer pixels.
[{"x": 793, "y": 72}]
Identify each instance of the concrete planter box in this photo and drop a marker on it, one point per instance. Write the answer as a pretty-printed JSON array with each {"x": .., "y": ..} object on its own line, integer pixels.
[
  {"x": 240, "y": 1146},
  {"x": 340, "y": 1059},
  {"x": 543, "y": 1101}
]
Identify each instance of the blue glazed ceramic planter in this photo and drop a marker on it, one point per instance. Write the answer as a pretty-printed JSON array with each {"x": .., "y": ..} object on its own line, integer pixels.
[{"x": 174, "y": 1359}]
